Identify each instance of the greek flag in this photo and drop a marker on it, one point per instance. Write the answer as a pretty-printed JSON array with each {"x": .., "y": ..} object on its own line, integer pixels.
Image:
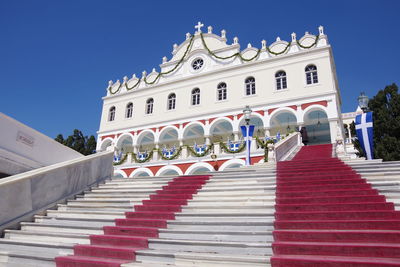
[
  {"x": 234, "y": 146},
  {"x": 200, "y": 149},
  {"x": 142, "y": 156},
  {"x": 117, "y": 157},
  {"x": 247, "y": 133},
  {"x": 365, "y": 133},
  {"x": 168, "y": 153}
]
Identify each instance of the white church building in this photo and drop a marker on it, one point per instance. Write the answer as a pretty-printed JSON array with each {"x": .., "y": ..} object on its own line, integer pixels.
[{"x": 185, "y": 118}]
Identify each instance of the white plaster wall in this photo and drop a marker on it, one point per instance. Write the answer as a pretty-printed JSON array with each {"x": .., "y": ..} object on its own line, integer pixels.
[
  {"x": 207, "y": 80},
  {"x": 23, "y": 148}
]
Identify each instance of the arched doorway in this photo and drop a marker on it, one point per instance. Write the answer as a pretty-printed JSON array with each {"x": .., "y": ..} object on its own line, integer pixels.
[
  {"x": 193, "y": 133},
  {"x": 146, "y": 141},
  {"x": 283, "y": 122},
  {"x": 125, "y": 144},
  {"x": 221, "y": 130},
  {"x": 317, "y": 125},
  {"x": 169, "y": 138}
]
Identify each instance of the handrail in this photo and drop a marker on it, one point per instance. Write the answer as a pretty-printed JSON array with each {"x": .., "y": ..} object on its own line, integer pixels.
[
  {"x": 286, "y": 146},
  {"x": 26, "y": 194}
]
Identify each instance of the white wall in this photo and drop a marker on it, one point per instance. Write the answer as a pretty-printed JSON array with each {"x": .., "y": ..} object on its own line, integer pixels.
[{"x": 23, "y": 148}]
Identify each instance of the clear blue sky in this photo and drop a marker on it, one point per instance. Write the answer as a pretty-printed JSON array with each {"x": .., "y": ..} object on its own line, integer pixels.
[{"x": 56, "y": 57}]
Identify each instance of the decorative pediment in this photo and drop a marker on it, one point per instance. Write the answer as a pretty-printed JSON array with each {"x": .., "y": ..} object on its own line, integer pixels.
[{"x": 205, "y": 52}]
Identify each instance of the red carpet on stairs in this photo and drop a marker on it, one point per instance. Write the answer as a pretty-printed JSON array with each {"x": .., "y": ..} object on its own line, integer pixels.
[
  {"x": 327, "y": 215},
  {"x": 118, "y": 243}
]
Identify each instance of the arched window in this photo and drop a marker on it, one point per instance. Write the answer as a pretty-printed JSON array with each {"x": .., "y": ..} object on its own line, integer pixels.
[
  {"x": 149, "y": 106},
  {"x": 250, "y": 86},
  {"x": 111, "y": 114},
  {"x": 280, "y": 77},
  {"x": 171, "y": 101},
  {"x": 129, "y": 110},
  {"x": 196, "y": 96},
  {"x": 311, "y": 74},
  {"x": 221, "y": 91}
]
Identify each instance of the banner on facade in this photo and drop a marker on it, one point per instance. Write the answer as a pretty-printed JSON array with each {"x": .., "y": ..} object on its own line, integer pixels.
[
  {"x": 365, "y": 133},
  {"x": 247, "y": 132}
]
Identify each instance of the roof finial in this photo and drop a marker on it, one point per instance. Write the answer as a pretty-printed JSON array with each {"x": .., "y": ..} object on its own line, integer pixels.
[
  {"x": 198, "y": 27},
  {"x": 263, "y": 44},
  {"x": 235, "y": 40},
  {"x": 210, "y": 28},
  {"x": 293, "y": 37},
  {"x": 321, "y": 30},
  {"x": 223, "y": 34},
  {"x": 187, "y": 35},
  {"x": 164, "y": 59}
]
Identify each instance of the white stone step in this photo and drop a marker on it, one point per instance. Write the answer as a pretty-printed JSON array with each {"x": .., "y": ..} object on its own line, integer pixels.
[
  {"x": 68, "y": 238},
  {"x": 199, "y": 246},
  {"x": 197, "y": 259}
]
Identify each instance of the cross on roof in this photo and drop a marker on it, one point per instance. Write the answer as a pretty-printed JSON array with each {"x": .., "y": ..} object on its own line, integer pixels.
[{"x": 198, "y": 26}]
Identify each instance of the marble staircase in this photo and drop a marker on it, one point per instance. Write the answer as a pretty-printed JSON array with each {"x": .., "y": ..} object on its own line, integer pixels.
[{"x": 229, "y": 222}]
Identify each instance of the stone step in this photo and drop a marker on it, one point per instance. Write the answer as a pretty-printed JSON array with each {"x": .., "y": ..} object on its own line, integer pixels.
[
  {"x": 226, "y": 225},
  {"x": 197, "y": 259},
  {"x": 233, "y": 248},
  {"x": 74, "y": 221},
  {"x": 69, "y": 238}
]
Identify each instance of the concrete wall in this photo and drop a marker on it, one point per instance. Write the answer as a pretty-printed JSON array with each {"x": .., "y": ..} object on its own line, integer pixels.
[
  {"x": 23, "y": 148},
  {"x": 26, "y": 194}
]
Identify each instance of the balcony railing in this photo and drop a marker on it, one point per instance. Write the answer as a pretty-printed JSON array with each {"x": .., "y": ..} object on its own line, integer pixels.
[{"x": 218, "y": 150}]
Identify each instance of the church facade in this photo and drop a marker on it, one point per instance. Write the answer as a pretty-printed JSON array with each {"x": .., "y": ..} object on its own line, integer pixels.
[{"x": 186, "y": 117}]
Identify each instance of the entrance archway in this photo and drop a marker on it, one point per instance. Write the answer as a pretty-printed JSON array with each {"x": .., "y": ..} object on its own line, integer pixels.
[
  {"x": 317, "y": 124},
  {"x": 283, "y": 122}
]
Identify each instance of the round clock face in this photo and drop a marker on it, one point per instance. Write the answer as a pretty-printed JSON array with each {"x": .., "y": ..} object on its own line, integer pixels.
[{"x": 197, "y": 64}]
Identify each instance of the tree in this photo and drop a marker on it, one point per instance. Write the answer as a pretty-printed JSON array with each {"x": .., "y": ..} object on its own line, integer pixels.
[
  {"x": 77, "y": 141},
  {"x": 386, "y": 114}
]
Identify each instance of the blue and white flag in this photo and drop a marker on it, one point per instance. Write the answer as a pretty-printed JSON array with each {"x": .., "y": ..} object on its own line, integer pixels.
[
  {"x": 247, "y": 133},
  {"x": 234, "y": 146},
  {"x": 143, "y": 156},
  {"x": 117, "y": 157},
  {"x": 365, "y": 133}
]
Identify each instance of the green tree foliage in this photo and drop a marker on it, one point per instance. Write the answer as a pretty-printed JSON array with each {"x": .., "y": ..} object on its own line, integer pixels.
[
  {"x": 77, "y": 141},
  {"x": 386, "y": 114}
]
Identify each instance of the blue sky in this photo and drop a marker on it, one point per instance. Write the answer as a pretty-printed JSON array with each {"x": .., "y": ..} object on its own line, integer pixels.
[{"x": 57, "y": 56}]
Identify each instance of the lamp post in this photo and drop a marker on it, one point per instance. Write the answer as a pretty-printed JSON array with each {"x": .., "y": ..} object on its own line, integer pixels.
[
  {"x": 247, "y": 113},
  {"x": 363, "y": 102}
]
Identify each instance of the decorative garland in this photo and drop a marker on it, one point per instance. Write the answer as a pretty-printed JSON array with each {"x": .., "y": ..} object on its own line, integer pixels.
[
  {"x": 158, "y": 75},
  {"x": 228, "y": 150},
  {"x": 121, "y": 161},
  {"x": 308, "y": 47},
  {"x": 149, "y": 156},
  {"x": 174, "y": 156},
  {"x": 199, "y": 155},
  {"x": 237, "y": 54}
]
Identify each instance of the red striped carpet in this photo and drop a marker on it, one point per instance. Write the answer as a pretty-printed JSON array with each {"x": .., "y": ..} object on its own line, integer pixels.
[
  {"x": 118, "y": 243},
  {"x": 327, "y": 215}
]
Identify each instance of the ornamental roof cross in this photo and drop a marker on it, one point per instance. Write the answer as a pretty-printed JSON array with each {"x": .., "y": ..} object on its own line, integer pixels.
[{"x": 198, "y": 26}]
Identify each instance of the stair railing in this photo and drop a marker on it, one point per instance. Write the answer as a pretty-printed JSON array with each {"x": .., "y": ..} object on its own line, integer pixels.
[{"x": 285, "y": 147}]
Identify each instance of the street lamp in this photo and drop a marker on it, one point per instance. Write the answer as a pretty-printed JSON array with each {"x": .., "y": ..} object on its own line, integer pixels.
[
  {"x": 247, "y": 113},
  {"x": 363, "y": 102}
]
